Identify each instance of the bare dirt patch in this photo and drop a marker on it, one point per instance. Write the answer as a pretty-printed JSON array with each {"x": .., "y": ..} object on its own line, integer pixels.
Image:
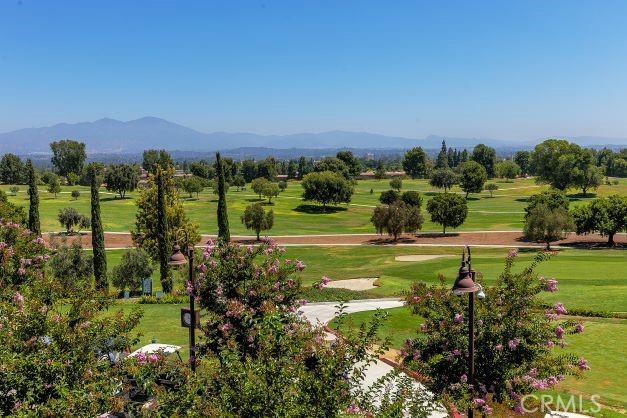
[
  {"x": 365, "y": 283},
  {"x": 420, "y": 257}
]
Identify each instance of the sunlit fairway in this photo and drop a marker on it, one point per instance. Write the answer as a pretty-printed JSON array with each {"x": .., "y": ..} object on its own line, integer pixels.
[{"x": 295, "y": 217}]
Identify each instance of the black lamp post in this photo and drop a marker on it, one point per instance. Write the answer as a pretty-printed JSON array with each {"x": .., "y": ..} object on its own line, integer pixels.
[
  {"x": 465, "y": 283},
  {"x": 188, "y": 318}
]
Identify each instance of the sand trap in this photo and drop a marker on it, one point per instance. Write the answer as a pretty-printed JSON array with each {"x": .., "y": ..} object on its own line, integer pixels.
[
  {"x": 354, "y": 284},
  {"x": 419, "y": 257}
]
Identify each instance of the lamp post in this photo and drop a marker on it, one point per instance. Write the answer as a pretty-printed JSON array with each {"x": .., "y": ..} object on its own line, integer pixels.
[
  {"x": 176, "y": 259},
  {"x": 465, "y": 283}
]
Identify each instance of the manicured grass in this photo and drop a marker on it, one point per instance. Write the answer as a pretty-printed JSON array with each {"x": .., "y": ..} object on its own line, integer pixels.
[
  {"x": 588, "y": 279},
  {"x": 295, "y": 217},
  {"x": 602, "y": 344}
]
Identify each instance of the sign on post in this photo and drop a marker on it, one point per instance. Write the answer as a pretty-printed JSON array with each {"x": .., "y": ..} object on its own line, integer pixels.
[
  {"x": 186, "y": 317},
  {"x": 147, "y": 286}
]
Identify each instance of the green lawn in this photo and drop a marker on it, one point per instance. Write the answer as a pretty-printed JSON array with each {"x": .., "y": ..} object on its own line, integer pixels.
[
  {"x": 602, "y": 344},
  {"x": 293, "y": 216}
]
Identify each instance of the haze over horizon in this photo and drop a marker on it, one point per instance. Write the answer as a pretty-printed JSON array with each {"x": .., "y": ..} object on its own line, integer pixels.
[{"x": 468, "y": 70}]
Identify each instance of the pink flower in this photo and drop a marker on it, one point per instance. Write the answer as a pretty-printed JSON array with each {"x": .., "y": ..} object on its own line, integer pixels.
[
  {"x": 272, "y": 269},
  {"x": 21, "y": 271},
  {"x": 225, "y": 327},
  {"x": 219, "y": 291},
  {"x": 153, "y": 358},
  {"x": 276, "y": 286},
  {"x": 487, "y": 409},
  {"x": 583, "y": 364},
  {"x": 189, "y": 287},
  {"x": 18, "y": 299},
  {"x": 579, "y": 328},
  {"x": 291, "y": 283},
  {"x": 550, "y": 344},
  {"x": 300, "y": 265},
  {"x": 249, "y": 249},
  {"x": 416, "y": 299},
  {"x": 550, "y": 285},
  {"x": 498, "y": 347},
  {"x": 141, "y": 357},
  {"x": 559, "y": 332},
  {"x": 213, "y": 264},
  {"x": 559, "y": 309},
  {"x": 202, "y": 268},
  {"x": 512, "y": 253},
  {"x": 353, "y": 409},
  {"x": 512, "y": 344},
  {"x": 478, "y": 402},
  {"x": 459, "y": 318},
  {"x": 463, "y": 378}
]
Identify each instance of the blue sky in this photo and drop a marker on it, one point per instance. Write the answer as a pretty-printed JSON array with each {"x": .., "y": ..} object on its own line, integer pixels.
[{"x": 489, "y": 69}]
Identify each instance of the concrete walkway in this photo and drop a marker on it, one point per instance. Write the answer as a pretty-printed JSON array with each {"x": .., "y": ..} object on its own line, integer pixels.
[{"x": 322, "y": 313}]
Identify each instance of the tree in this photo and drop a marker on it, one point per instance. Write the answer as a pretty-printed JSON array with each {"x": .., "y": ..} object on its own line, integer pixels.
[
  {"x": 448, "y": 210},
  {"x": 14, "y": 190},
  {"x": 12, "y": 170},
  {"x": 486, "y": 156},
  {"x": 412, "y": 198},
  {"x": 441, "y": 162},
  {"x": 605, "y": 215},
  {"x": 71, "y": 179},
  {"x": 554, "y": 161},
  {"x": 472, "y": 177},
  {"x": 270, "y": 190},
  {"x": 491, "y": 187},
  {"x": 305, "y": 166},
  {"x": 396, "y": 183},
  {"x": 397, "y": 218},
  {"x": 543, "y": 224},
  {"x": 200, "y": 169},
  {"x": 333, "y": 164},
  {"x": 239, "y": 182},
  {"x": 388, "y": 197},
  {"x": 523, "y": 159},
  {"x": 327, "y": 187},
  {"x": 149, "y": 232},
  {"x": 97, "y": 233},
  {"x": 443, "y": 179},
  {"x": 223, "y": 217},
  {"x": 163, "y": 241},
  {"x": 553, "y": 199},
  {"x": 249, "y": 170},
  {"x": 153, "y": 158},
  {"x": 70, "y": 218},
  {"x": 380, "y": 172},
  {"x": 507, "y": 169},
  {"x": 68, "y": 156},
  {"x": 415, "y": 163},
  {"x": 258, "y": 185},
  {"x": 282, "y": 185},
  {"x": 585, "y": 174},
  {"x": 33, "y": 196},
  {"x": 75, "y": 194},
  {"x": 353, "y": 164},
  {"x": 267, "y": 169},
  {"x": 134, "y": 266},
  {"x": 54, "y": 186},
  {"x": 71, "y": 265},
  {"x": 257, "y": 219},
  {"x": 121, "y": 178},
  {"x": 10, "y": 212},
  {"x": 193, "y": 184}
]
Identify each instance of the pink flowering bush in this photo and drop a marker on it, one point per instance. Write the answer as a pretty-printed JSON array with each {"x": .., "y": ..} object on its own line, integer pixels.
[
  {"x": 515, "y": 340},
  {"x": 52, "y": 339}
]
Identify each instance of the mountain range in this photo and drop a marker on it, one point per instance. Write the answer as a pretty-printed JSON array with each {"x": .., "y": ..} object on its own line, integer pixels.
[{"x": 114, "y": 136}]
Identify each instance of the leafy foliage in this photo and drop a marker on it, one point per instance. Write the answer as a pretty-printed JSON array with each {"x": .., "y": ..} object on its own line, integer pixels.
[
  {"x": 12, "y": 169},
  {"x": 486, "y": 156},
  {"x": 448, "y": 210},
  {"x": 507, "y": 169},
  {"x": 33, "y": 196},
  {"x": 415, "y": 163},
  {"x": 257, "y": 219},
  {"x": 68, "y": 156},
  {"x": 543, "y": 224},
  {"x": 397, "y": 218},
  {"x": 327, "y": 187},
  {"x": 472, "y": 177},
  {"x": 134, "y": 266},
  {"x": 605, "y": 215},
  {"x": 388, "y": 197},
  {"x": 443, "y": 179},
  {"x": 121, "y": 178},
  {"x": 70, "y": 218}
]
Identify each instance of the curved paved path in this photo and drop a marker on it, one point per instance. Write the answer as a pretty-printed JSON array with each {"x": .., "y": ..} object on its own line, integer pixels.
[{"x": 323, "y": 312}]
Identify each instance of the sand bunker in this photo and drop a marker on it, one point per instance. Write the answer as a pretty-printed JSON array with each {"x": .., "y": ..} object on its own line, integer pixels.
[
  {"x": 366, "y": 283},
  {"x": 419, "y": 257}
]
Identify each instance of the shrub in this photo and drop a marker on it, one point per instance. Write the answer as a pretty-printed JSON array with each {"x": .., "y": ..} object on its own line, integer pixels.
[
  {"x": 389, "y": 196},
  {"x": 134, "y": 266},
  {"x": 76, "y": 194},
  {"x": 514, "y": 340},
  {"x": 70, "y": 265},
  {"x": 491, "y": 187},
  {"x": 396, "y": 183}
]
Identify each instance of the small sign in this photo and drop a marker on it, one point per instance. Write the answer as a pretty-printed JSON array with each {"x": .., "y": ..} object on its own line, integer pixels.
[
  {"x": 186, "y": 317},
  {"x": 147, "y": 286},
  {"x": 127, "y": 294},
  {"x": 159, "y": 295}
]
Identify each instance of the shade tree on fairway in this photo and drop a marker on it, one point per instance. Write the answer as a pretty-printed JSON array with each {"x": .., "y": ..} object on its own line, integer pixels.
[
  {"x": 396, "y": 183},
  {"x": 121, "y": 178},
  {"x": 416, "y": 163},
  {"x": 443, "y": 178},
  {"x": 397, "y": 218},
  {"x": 256, "y": 218},
  {"x": 388, "y": 197},
  {"x": 54, "y": 185},
  {"x": 192, "y": 184},
  {"x": 507, "y": 169},
  {"x": 552, "y": 199},
  {"x": 68, "y": 156},
  {"x": 353, "y": 164},
  {"x": 71, "y": 219},
  {"x": 282, "y": 185},
  {"x": 412, "y": 198},
  {"x": 258, "y": 185},
  {"x": 12, "y": 169},
  {"x": 472, "y": 177},
  {"x": 447, "y": 209},
  {"x": 606, "y": 216},
  {"x": 334, "y": 165},
  {"x": 523, "y": 159},
  {"x": 75, "y": 194},
  {"x": 544, "y": 224},
  {"x": 270, "y": 190},
  {"x": 239, "y": 182},
  {"x": 516, "y": 345},
  {"x": 327, "y": 187},
  {"x": 491, "y": 187},
  {"x": 134, "y": 266}
]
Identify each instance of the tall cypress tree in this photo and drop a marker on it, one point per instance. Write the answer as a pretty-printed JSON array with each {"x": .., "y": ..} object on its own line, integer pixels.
[
  {"x": 162, "y": 233},
  {"x": 33, "y": 195},
  {"x": 223, "y": 217},
  {"x": 442, "y": 160},
  {"x": 97, "y": 234}
]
